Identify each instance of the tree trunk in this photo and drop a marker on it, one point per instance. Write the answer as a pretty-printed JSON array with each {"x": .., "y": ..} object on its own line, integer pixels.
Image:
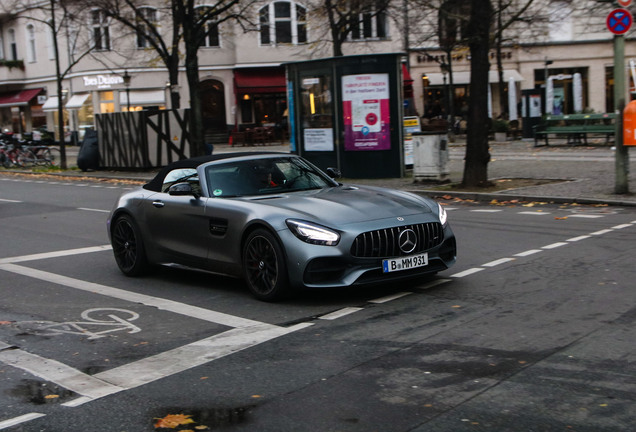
[{"x": 477, "y": 154}]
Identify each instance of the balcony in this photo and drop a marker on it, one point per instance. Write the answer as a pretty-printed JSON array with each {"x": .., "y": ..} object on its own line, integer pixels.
[{"x": 11, "y": 70}]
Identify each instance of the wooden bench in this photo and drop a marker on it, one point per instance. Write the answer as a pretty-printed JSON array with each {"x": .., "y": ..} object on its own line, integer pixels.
[{"x": 575, "y": 127}]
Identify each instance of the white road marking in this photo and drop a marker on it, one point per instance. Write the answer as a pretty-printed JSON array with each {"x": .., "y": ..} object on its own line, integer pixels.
[
  {"x": 21, "y": 419},
  {"x": 10, "y": 201},
  {"x": 389, "y": 298},
  {"x": 55, "y": 254},
  {"x": 498, "y": 262},
  {"x": 94, "y": 210},
  {"x": 467, "y": 272},
  {"x": 486, "y": 211},
  {"x": 534, "y": 213},
  {"x": 579, "y": 238},
  {"x": 617, "y": 227},
  {"x": 601, "y": 232},
  {"x": 159, "y": 303},
  {"x": 59, "y": 373},
  {"x": 528, "y": 253},
  {"x": 554, "y": 245},
  {"x": 340, "y": 313},
  {"x": 588, "y": 216}
]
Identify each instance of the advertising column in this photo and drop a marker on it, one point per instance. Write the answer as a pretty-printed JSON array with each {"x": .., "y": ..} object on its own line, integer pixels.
[{"x": 365, "y": 104}]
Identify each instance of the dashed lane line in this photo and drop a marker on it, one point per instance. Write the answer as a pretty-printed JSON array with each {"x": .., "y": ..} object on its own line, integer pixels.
[{"x": 543, "y": 248}]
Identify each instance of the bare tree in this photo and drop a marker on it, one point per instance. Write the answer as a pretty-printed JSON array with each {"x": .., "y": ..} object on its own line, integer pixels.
[
  {"x": 190, "y": 24},
  {"x": 348, "y": 19},
  {"x": 60, "y": 17},
  {"x": 478, "y": 38}
]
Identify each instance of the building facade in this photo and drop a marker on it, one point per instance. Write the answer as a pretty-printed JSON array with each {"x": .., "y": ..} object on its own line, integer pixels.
[{"x": 108, "y": 68}]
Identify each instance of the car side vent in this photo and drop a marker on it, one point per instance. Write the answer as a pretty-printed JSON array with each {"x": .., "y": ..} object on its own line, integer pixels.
[
  {"x": 218, "y": 226},
  {"x": 385, "y": 243}
]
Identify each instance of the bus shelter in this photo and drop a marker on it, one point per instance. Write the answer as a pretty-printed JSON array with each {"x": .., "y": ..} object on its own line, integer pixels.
[{"x": 347, "y": 112}]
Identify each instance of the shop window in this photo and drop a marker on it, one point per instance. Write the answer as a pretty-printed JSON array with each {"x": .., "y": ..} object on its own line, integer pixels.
[
  {"x": 283, "y": 22},
  {"x": 106, "y": 102},
  {"x": 371, "y": 24},
  {"x": 100, "y": 26},
  {"x": 209, "y": 36},
  {"x": 147, "y": 18}
]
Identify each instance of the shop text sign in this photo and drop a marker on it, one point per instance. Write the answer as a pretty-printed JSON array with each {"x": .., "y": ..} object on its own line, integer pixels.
[
  {"x": 102, "y": 81},
  {"x": 365, "y": 104}
]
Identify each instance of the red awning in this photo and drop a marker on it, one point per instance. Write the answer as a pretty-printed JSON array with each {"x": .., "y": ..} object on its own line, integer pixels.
[
  {"x": 18, "y": 98},
  {"x": 406, "y": 76},
  {"x": 260, "y": 80}
]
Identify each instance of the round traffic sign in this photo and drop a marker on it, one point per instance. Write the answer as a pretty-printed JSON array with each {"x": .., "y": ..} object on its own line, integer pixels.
[
  {"x": 619, "y": 21},
  {"x": 624, "y": 3}
]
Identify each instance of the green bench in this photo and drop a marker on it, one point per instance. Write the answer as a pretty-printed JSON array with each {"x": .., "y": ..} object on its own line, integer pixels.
[{"x": 575, "y": 127}]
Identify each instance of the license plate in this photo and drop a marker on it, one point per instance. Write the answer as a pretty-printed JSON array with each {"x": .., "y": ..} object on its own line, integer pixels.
[{"x": 404, "y": 263}]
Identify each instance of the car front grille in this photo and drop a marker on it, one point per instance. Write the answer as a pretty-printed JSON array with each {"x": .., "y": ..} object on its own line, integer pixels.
[{"x": 385, "y": 243}]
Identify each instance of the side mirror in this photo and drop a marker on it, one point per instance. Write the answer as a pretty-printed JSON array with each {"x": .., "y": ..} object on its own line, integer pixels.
[
  {"x": 182, "y": 189},
  {"x": 334, "y": 173}
]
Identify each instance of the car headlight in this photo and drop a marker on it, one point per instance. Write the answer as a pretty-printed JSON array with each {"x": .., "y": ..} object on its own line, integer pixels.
[
  {"x": 312, "y": 233},
  {"x": 443, "y": 217}
]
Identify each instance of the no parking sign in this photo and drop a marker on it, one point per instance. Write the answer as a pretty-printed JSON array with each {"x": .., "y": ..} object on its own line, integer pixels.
[{"x": 619, "y": 21}]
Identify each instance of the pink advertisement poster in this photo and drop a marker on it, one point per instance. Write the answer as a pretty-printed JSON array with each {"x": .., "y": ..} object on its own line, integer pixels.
[{"x": 365, "y": 105}]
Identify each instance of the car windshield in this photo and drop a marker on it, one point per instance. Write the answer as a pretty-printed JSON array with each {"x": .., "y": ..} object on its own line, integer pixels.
[{"x": 264, "y": 176}]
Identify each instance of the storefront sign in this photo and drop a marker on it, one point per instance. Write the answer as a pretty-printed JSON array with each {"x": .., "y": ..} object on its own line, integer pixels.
[
  {"x": 102, "y": 81},
  {"x": 365, "y": 104}
]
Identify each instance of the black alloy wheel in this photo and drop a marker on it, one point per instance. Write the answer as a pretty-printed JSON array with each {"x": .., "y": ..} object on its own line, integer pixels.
[
  {"x": 128, "y": 247},
  {"x": 264, "y": 266}
]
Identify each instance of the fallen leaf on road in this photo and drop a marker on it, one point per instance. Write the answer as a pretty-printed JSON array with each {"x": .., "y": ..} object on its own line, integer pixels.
[
  {"x": 171, "y": 421},
  {"x": 561, "y": 218}
]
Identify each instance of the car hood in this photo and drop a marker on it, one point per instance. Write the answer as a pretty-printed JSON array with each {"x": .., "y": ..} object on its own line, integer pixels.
[{"x": 347, "y": 204}]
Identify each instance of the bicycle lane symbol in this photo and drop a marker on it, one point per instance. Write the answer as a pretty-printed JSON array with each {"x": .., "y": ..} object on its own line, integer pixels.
[{"x": 97, "y": 323}]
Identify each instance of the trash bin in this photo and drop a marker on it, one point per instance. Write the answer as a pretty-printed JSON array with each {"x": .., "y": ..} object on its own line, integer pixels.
[{"x": 430, "y": 156}]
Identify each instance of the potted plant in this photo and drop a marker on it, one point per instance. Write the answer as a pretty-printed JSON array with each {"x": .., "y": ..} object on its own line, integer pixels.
[{"x": 501, "y": 128}]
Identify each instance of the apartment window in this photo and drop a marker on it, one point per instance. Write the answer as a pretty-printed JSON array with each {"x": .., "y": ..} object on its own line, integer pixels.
[
  {"x": 211, "y": 29},
  {"x": 146, "y": 17},
  {"x": 560, "y": 21},
  {"x": 13, "y": 45},
  {"x": 50, "y": 45},
  {"x": 100, "y": 26},
  {"x": 370, "y": 24},
  {"x": 283, "y": 23},
  {"x": 1, "y": 48},
  {"x": 30, "y": 35}
]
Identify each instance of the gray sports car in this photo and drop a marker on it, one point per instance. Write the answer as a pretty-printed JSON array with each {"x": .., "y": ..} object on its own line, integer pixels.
[{"x": 280, "y": 223}]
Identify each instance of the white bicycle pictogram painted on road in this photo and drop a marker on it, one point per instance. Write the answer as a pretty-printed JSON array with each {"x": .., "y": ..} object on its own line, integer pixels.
[{"x": 97, "y": 323}]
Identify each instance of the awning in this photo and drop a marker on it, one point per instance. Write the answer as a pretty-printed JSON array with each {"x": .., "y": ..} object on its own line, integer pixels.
[
  {"x": 18, "y": 98},
  {"x": 143, "y": 97},
  {"x": 463, "y": 77},
  {"x": 76, "y": 101},
  {"x": 260, "y": 80},
  {"x": 406, "y": 76},
  {"x": 50, "y": 104}
]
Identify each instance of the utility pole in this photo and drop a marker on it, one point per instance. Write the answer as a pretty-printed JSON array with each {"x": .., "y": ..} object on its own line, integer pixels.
[{"x": 621, "y": 156}]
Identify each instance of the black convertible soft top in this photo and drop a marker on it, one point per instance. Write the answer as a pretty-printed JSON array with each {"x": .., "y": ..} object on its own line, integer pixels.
[{"x": 156, "y": 183}]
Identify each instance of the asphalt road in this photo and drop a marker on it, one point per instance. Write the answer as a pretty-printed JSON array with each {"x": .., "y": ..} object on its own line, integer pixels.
[{"x": 532, "y": 330}]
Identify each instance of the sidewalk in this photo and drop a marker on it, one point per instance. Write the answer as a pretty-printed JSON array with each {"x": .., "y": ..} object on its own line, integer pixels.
[{"x": 582, "y": 174}]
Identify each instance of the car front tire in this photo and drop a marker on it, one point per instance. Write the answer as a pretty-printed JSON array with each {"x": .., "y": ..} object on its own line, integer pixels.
[
  {"x": 128, "y": 247},
  {"x": 264, "y": 266}
]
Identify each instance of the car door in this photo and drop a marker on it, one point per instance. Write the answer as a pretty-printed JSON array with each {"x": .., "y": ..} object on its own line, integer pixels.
[{"x": 177, "y": 224}]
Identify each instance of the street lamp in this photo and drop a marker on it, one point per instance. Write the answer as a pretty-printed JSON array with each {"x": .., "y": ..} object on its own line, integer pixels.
[{"x": 127, "y": 79}]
